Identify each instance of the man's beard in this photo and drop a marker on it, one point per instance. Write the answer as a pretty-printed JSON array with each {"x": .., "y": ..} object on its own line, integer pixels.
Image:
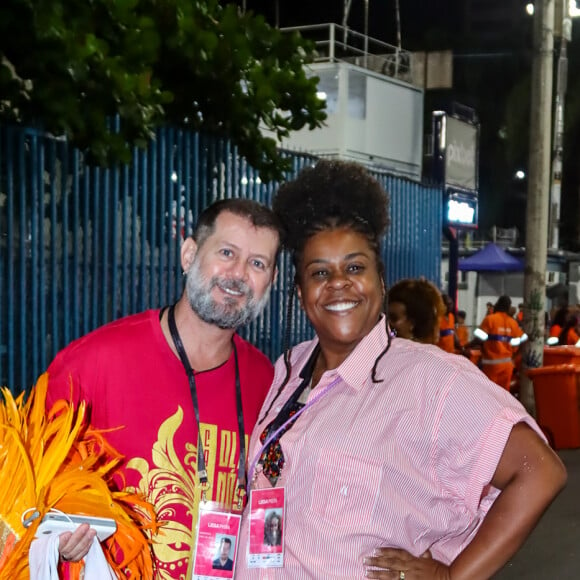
[{"x": 227, "y": 314}]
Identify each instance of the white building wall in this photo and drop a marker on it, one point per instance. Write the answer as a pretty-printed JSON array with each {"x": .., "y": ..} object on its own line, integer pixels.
[{"x": 372, "y": 118}]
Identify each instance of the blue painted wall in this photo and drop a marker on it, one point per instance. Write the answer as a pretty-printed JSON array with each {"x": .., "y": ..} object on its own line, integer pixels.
[{"x": 80, "y": 246}]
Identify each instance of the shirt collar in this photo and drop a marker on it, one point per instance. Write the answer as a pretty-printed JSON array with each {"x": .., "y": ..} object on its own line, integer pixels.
[{"x": 356, "y": 370}]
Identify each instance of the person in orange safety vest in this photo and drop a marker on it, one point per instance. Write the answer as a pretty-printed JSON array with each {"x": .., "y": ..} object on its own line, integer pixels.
[
  {"x": 448, "y": 340},
  {"x": 520, "y": 315},
  {"x": 569, "y": 334},
  {"x": 558, "y": 322},
  {"x": 460, "y": 329},
  {"x": 499, "y": 334}
]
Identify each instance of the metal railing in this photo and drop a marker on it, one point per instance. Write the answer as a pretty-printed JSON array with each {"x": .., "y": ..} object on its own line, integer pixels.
[{"x": 336, "y": 43}]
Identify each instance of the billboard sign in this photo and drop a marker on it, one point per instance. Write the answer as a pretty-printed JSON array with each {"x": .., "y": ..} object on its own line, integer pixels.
[{"x": 460, "y": 140}]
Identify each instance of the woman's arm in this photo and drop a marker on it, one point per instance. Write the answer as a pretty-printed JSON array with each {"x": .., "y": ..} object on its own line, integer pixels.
[{"x": 530, "y": 476}]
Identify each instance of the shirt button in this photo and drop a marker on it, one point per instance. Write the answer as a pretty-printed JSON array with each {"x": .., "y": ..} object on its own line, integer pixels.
[{"x": 344, "y": 490}]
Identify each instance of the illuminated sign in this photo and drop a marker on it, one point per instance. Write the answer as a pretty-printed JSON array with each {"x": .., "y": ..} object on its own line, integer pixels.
[{"x": 461, "y": 210}]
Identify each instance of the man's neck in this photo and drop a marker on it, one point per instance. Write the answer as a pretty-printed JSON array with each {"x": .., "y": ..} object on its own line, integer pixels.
[{"x": 207, "y": 346}]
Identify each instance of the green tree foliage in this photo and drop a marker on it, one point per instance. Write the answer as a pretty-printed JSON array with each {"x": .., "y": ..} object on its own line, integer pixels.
[{"x": 71, "y": 66}]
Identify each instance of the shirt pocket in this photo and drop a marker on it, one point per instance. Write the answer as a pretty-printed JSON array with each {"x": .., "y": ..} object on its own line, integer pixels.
[{"x": 345, "y": 489}]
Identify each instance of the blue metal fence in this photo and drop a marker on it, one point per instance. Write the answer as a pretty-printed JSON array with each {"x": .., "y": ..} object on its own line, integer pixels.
[{"x": 80, "y": 246}]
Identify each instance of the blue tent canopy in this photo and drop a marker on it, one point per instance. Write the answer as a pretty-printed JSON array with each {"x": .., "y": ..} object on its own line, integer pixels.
[{"x": 492, "y": 258}]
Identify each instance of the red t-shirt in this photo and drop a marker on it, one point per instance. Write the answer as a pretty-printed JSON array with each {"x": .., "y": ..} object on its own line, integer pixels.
[{"x": 130, "y": 377}]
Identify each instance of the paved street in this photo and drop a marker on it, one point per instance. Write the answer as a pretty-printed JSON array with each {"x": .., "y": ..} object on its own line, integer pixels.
[{"x": 553, "y": 550}]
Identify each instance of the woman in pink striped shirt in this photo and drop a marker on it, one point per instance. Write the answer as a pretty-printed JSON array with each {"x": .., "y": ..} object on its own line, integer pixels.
[{"x": 380, "y": 442}]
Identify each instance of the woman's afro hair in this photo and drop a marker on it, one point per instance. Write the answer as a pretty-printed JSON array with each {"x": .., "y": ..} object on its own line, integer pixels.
[{"x": 331, "y": 194}]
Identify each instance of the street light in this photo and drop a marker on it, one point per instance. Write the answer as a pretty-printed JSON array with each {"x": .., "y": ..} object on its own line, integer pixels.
[{"x": 573, "y": 8}]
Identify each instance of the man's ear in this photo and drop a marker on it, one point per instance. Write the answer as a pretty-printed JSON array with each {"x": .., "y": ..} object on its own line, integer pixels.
[
  {"x": 275, "y": 275},
  {"x": 188, "y": 251}
]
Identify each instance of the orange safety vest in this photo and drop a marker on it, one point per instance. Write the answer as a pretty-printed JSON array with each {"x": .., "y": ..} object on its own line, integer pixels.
[
  {"x": 500, "y": 328},
  {"x": 572, "y": 337},
  {"x": 447, "y": 332},
  {"x": 462, "y": 334}
]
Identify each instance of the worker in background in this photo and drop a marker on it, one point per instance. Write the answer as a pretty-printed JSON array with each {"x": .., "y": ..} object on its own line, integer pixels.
[
  {"x": 448, "y": 340},
  {"x": 520, "y": 315},
  {"x": 461, "y": 329},
  {"x": 569, "y": 335},
  {"x": 498, "y": 335},
  {"x": 558, "y": 322}
]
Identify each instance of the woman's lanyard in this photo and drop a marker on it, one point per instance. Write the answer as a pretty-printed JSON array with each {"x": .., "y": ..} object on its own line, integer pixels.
[
  {"x": 278, "y": 428},
  {"x": 201, "y": 467}
]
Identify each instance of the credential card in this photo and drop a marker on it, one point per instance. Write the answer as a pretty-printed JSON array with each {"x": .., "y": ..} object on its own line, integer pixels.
[
  {"x": 217, "y": 542},
  {"x": 266, "y": 546}
]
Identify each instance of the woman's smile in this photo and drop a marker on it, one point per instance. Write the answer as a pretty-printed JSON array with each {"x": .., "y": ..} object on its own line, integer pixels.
[{"x": 340, "y": 288}]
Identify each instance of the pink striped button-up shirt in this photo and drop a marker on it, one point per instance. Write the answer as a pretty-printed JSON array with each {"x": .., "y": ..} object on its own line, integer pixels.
[{"x": 405, "y": 462}]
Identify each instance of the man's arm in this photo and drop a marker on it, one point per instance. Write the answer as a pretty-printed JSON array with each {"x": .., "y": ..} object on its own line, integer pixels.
[
  {"x": 63, "y": 381},
  {"x": 530, "y": 476}
]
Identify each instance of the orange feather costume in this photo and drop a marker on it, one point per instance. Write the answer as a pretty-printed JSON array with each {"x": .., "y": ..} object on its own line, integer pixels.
[{"x": 59, "y": 462}]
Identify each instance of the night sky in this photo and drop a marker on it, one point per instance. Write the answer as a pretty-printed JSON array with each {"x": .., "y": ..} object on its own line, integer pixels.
[
  {"x": 421, "y": 20},
  {"x": 481, "y": 83}
]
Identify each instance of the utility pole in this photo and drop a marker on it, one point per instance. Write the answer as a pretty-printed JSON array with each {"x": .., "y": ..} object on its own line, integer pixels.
[
  {"x": 563, "y": 31},
  {"x": 538, "y": 196}
]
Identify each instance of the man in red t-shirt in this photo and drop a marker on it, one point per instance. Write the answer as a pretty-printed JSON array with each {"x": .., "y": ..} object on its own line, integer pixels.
[{"x": 132, "y": 374}]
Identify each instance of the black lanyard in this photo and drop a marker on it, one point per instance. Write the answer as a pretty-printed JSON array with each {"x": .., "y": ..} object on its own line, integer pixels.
[
  {"x": 292, "y": 404},
  {"x": 201, "y": 467}
]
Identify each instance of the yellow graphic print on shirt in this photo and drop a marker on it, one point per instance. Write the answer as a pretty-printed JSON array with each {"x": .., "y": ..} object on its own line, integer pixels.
[{"x": 172, "y": 487}]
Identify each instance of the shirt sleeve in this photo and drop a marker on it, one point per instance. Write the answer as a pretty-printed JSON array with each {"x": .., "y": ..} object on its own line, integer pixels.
[
  {"x": 64, "y": 377},
  {"x": 475, "y": 423}
]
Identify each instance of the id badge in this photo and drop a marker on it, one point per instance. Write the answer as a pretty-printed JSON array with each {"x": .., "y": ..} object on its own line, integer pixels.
[
  {"x": 216, "y": 544},
  {"x": 266, "y": 521}
]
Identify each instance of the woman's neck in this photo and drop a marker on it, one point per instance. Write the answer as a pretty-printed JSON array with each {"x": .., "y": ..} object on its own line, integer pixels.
[{"x": 327, "y": 360}]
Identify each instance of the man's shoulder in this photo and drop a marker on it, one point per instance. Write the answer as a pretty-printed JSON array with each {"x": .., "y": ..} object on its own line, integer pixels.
[
  {"x": 489, "y": 318},
  {"x": 250, "y": 352},
  {"x": 110, "y": 335}
]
